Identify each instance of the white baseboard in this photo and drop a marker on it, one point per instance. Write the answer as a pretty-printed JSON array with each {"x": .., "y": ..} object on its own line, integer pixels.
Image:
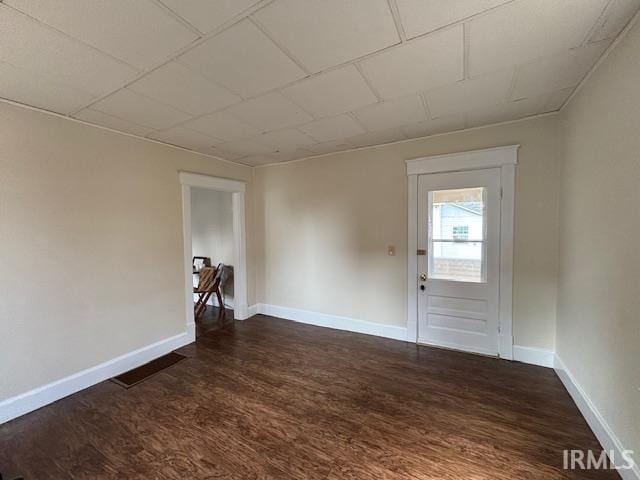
[
  {"x": 603, "y": 432},
  {"x": 39, "y": 397},
  {"x": 534, "y": 356},
  {"x": 334, "y": 321},
  {"x": 252, "y": 310}
]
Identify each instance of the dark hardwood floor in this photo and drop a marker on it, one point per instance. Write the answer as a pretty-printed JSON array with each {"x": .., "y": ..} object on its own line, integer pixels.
[
  {"x": 212, "y": 321},
  {"x": 268, "y": 398}
]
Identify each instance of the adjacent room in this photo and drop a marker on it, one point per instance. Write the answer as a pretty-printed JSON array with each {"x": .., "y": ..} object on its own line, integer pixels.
[
  {"x": 212, "y": 245},
  {"x": 319, "y": 239}
]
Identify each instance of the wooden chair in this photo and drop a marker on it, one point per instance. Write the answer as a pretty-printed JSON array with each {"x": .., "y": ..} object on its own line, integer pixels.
[{"x": 208, "y": 284}]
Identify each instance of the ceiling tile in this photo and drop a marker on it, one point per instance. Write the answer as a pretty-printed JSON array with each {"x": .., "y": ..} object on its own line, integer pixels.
[
  {"x": 491, "y": 89},
  {"x": 332, "y": 128},
  {"x": 434, "y": 126},
  {"x": 392, "y": 113},
  {"x": 288, "y": 155},
  {"x": 25, "y": 87},
  {"x": 245, "y": 147},
  {"x": 419, "y": 65},
  {"x": 222, "y": 125},
  {"x": 325, "y": 33},
  {"x": 32, "y": 46},
  {"x": 556, "y": 72},
  {"x": 507, "y": 111},
  {"x": 206, "y": 15},
  {"x": 255, "y": 160},
  {"x": 182, "y": 88},
  {"x": 331, "y": 93},
  {"x": 377, "y": 138},
  {"x": 523, "y": 31},
  {"x": 98, "y": 118},
  {"x": 285, "y": 139},
  {"x": 329, "y": 147},
  {"x": 141, "y": 110},
  {"x": 216, "y": 151},
  {"x": 420, "y": 16},
  {"x": 184, "y": 137},
  {"x": 270, "y": 112},
  {"x": 244, "y": 60},
  {"x": 616, "y": 17},
  {"x": 138, "y": 32},
  {"x": 557, "y": 99}
]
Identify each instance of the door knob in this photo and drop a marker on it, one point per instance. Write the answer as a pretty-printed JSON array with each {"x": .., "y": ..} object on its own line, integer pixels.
[{"x": 423, "y": 277}]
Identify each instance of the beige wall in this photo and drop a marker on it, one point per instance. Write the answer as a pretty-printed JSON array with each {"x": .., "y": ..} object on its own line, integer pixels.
[
  {"x": 90, "y": 245},
  {"x": 212, "y": 225},
  {"x": 599, "y": 288},
  {"x": 323, "y": 226}
]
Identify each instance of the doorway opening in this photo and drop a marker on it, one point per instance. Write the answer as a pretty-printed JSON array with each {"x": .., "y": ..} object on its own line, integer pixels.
[{"x": 214, "y": 251}]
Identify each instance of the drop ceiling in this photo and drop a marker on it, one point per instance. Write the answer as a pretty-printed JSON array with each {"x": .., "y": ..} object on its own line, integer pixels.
[{"x": 260, "y": 82}]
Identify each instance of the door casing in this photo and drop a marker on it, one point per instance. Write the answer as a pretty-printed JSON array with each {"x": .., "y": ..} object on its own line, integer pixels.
[{"x": 505, "y": 158}]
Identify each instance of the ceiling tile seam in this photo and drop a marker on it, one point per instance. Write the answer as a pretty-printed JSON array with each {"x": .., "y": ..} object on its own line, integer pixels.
[
  {"x": 425, "y": 106},
  {"x": 208, "y": 79},
  {"x": 216, "y": 31},
  {"x": 602, "y": 18},
  {"x": 357, "y": 120},
  {"x": 256, "y": 23},
  {"x": 460, "y": 130},
  {"x": 466, "y": 47},
  {"x": 395, "y": 13},
  {"x": 281, "y": 91},
  {"x": 602, "y": 58},
  {"x": 374, "y": 91},
  {"x": 512, "y": 85},
  {"x": 178, "y": 18},
  {"x": 160, "y": 102},
  {"x": 135, "y": 124},
  {"x": 69, "y": 37},
  {"x": 459, "y": 21},
  {"x": 215, "y": 141}
]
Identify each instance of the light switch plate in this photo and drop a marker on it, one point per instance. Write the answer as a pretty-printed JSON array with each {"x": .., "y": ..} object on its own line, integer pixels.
[{"x": 391, "y": 250}]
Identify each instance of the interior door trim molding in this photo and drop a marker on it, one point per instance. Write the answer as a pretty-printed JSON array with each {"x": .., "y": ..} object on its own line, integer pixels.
[
  {"x": 237, "y": 190},
  {"x": 505, "y": 158},
  {"x": 470, "y": 160}
]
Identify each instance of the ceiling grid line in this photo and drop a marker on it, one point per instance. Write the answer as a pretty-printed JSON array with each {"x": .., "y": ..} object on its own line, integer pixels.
[
  {"x": 393, "y": 6},
  {"x": 178, "y": 18},
  {"x": 367, "y": 81},
  {"x": 282, "y": 48}
]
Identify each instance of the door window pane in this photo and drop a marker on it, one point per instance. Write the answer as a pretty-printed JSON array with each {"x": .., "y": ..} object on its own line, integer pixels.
[{"x": 457, "y": 231}]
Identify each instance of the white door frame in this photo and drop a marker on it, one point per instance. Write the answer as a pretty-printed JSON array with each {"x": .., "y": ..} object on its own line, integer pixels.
[
  {"x": 237, "y": 189},
  {"x": 504, "y": 158}
]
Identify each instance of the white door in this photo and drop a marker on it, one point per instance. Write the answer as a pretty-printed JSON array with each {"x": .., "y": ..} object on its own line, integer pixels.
[{"x": 459, "y": 260}]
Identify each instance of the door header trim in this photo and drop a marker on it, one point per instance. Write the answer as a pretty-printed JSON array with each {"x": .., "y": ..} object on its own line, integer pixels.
[{"x": 470, "y": 160}]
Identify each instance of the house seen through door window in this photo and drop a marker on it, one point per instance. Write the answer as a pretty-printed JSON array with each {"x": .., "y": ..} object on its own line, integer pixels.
[{"x": 457, "y": 231}]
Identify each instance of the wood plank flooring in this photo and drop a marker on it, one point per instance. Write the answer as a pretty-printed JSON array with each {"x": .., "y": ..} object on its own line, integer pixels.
[{"x": 272, "y": 399}]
